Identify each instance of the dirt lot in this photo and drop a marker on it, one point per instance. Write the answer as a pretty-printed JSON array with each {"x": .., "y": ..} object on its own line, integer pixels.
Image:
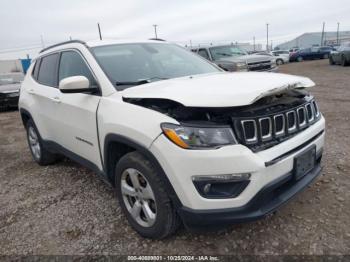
[{"x": 67, "y": 209}]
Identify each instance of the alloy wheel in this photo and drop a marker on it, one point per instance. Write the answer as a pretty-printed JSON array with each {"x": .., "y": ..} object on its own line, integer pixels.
[
  {"x": 34, "y": 142},
  {"x": 138, "y": 197}
]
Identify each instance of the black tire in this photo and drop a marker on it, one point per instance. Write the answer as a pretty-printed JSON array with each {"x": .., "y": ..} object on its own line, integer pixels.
[
  {"x": 279, "y": 62},
  {"x": 331, "y": 62},
  {"x": 300, "y": 59},
  {"x": 45, "y": 157},
  {"x": 343, "y": 61},
  {"x": 167, "y": 220}
]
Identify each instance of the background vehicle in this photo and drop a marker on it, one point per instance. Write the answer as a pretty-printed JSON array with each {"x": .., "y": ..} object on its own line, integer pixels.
[
  {"x": 178, "y": 138},
  {"x": 281, "y": 56},
  {"x": 233, "y": 58},
  {"x": 341, "y": 56},
  {"x": 311, "y": 53},
  {"x": 9, "y": 90}
]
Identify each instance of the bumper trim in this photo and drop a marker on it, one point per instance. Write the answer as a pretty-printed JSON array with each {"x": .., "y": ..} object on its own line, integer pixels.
[{"x": 267, "y": 200}]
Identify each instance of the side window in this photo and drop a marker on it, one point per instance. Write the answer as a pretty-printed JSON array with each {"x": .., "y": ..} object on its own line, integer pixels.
[
  {"x": 48, "y": 70},
  {"x": 36, "y": 69},
  {"x": 72, "y": 64},
  {"x": 203, "y": 53}
]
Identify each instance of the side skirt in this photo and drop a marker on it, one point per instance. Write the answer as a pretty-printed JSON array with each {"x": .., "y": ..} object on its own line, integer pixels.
[{"x": 56, "y": 148}]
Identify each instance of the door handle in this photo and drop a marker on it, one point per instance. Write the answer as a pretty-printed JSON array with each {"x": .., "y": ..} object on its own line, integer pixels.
[
  {"x": 56, "y": 99},
  {"x": 31, "y": 91}
]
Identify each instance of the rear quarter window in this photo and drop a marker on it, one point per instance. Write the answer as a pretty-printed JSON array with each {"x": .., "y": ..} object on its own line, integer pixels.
[
  {"x": 36, "y": 69},
  {"x": 48, "y": 70}
]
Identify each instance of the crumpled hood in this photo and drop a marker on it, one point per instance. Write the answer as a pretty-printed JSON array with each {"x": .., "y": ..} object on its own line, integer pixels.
[{"x": 219, "y": 89}]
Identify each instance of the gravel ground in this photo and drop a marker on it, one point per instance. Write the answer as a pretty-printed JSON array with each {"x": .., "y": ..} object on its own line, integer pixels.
[{"x": 67, "y": 209}]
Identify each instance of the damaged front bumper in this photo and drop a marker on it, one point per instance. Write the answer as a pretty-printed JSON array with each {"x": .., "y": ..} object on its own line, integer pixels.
[
  {"x": 265, "y": 167},
  {"x": 268, "y": 199}
]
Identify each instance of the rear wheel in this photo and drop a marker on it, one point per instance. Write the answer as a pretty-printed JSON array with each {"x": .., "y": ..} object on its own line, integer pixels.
[
  {"x": 331, "y": 62},
  {"x": 40, "y": 154},
  {"x": 325, "y": 56},
  {"x": 299, "y": 59},
  {"x": 143, "y": 197}
]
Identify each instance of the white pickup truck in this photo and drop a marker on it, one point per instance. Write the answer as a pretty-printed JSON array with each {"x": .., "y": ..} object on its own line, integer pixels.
[{"x": 181, "y": 140}]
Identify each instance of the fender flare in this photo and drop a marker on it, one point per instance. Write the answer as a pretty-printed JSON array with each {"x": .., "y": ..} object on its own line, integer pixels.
[{"x": 110, "y": 138}]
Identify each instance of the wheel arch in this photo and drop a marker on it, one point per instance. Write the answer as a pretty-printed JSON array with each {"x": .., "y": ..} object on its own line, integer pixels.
[
  {"x": 25, "y": 116},
  {"x": 116, "y": 146}
]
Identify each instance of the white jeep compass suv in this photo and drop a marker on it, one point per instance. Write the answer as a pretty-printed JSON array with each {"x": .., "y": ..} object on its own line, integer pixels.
[{"x": 180, "y": 140}]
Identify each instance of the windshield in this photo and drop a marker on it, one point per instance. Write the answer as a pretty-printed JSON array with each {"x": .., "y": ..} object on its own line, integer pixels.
[
  {"x": 128, "y": 64},
  {"x": 219, "y": 52}
]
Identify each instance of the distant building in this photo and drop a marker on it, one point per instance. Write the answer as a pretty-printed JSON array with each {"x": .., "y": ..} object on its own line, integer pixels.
[
  {"x": 14, "y": 66},
  {"x": 314, "y": 39}
]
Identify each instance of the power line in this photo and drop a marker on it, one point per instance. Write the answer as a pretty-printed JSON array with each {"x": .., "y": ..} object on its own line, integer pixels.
[{"x": 4, "y": 51}]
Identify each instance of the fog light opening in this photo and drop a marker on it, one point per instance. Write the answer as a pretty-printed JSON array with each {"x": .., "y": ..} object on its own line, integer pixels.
[{"x": 221, "y": 186}]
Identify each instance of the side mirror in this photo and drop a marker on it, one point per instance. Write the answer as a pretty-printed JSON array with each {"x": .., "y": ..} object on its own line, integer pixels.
[{"x": 75, "y": 84}]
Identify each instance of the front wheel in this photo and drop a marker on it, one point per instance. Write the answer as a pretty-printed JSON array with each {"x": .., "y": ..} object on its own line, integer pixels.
[
  {"x": 279, "y": 62},
  {"x": 299, "y": 59},
  {"x": 331, "y": 62},
  {"x": 143, "y": 197},
  {"x": 343, "y": 61}
]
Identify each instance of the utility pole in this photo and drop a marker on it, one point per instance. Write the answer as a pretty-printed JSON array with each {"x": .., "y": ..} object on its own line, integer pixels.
[
  {"x": 254, "y": 43},
  {"x": 70, "y": 38},
  {"x": 322, "y": 36},
  {"x": 155, "y": 31},
  {"x": 99, "y": 30},
  {"x": 191, "y": 43},
  {"x": 271, "y": 46},
  {"x": 267, "y": 37},
  {"x": 42, "y": 41},
  {"x": 338, "y": 34}
]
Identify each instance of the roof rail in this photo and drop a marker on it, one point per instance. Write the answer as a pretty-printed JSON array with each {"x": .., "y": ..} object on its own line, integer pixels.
[{"x": 62, "y": 43}]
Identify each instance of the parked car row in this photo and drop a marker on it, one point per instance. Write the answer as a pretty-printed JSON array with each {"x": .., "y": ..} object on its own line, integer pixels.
[
  {"x": 341, "y": 56},
  {"x": 233, "y": 58},
  {"x": 9, "y": 90},
  {"x": 311, "y": 53}
]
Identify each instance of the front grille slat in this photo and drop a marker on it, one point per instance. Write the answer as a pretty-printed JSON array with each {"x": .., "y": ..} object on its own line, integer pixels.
[{"x": 274, "y": 128}]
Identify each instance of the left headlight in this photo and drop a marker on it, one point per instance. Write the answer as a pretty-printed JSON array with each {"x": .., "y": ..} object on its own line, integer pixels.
[
  {"x": 197, "y": 137},
  {"x": 241, "y": 66}
]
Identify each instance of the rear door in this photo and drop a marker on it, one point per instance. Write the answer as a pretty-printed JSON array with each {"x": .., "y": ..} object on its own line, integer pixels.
[
  {"x": 76, "y": 125},
  {"x": 44, "y": 93}
]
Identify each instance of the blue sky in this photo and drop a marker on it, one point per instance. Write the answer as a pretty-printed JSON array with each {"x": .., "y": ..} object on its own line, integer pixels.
[{"x": 201, "y": 21}]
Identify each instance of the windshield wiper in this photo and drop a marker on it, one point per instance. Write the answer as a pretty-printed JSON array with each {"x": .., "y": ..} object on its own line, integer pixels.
[{"x": 139, "y": 82}]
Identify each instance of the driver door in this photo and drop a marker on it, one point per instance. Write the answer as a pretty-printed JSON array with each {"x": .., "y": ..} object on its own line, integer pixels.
[{"x": 76, "y": 127}]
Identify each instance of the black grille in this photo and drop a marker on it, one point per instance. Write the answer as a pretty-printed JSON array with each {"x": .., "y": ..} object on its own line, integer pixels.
[
  {"x": 259, "y": 66},
  {"x": 262, "y": 132}
]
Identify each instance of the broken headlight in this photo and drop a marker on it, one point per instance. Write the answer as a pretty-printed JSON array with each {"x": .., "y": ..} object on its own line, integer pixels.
[{"x": 197, "y": 137}]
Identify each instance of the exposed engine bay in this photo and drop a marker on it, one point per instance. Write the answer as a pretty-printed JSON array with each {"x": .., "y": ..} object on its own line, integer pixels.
[
  {"x": 223, "y": 115},
  {"x": 263, "y": 124}
]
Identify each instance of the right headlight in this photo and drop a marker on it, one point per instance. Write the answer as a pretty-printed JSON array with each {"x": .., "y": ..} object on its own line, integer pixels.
[{"x": 197, "y": 137}]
